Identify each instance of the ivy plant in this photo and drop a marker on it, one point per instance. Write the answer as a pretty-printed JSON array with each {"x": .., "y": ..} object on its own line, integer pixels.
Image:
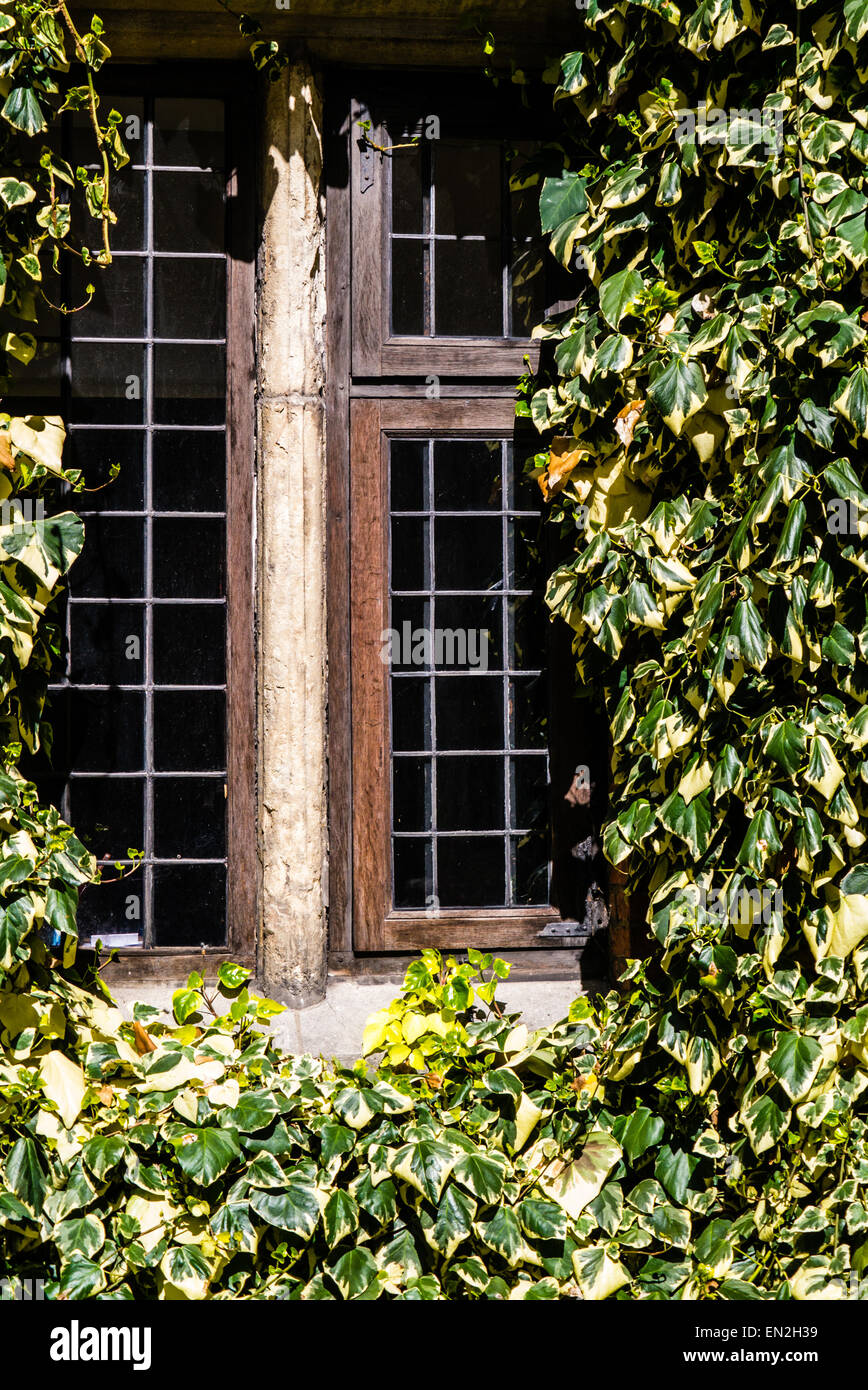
[
  {"x": 704, "y": 406},
  {"x": 193, "y": 1159}
]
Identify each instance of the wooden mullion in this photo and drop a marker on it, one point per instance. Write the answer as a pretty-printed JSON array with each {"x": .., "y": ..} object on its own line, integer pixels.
[
  {"x": 456, "y": 931},
  {"x": 479, "y": 415},
  {"x": 368, "y": 298},
  {"x": 243, "y": 862},
  {"x": 469, "y": 357},
  {"x": 340, "y": 781},
  {"x": 369, "y": 615}
]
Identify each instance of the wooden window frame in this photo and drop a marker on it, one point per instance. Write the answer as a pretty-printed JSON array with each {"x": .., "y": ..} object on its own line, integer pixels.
[
  {"x": 375, "y": 387},
  {"x": 231, "y": 83},
  {"x": 377, "y": 925},
  {"x": 376, "y": 352}
]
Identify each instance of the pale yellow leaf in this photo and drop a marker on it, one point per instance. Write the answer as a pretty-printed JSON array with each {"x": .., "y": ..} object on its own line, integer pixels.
[{"x": 64, "y": 1084}]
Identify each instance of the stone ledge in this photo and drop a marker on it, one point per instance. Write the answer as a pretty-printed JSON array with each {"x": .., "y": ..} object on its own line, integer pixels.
[{"x": 334, "y": 1027}]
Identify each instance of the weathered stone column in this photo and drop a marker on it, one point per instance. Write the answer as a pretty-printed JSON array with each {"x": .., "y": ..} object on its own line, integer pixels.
[{"x": 291, "y": 545}]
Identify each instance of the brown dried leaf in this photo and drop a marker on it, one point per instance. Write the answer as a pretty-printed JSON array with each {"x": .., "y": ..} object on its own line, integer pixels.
[
  {"x": 143, "y": 1041},
  {"x": 565, "y": 456},
  {"x": 626, "y": 421}
]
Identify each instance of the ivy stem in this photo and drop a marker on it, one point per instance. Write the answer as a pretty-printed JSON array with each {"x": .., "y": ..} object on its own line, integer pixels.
[{"x": 94, "y": 118}]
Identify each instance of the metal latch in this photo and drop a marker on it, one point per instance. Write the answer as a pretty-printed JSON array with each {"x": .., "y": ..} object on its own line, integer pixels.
[{"x": 576, "y": 930}]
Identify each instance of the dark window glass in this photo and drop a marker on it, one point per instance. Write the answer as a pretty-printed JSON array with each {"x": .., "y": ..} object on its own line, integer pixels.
[
  {"x": 189, "y": 731},
  {"x": 414, "y": 877},
  {"x": 112, "y": 561},
  {"x": 190, "y": 818},
  {"x": 528, "y": 793},
  {"x": 411, "y": 619},
  {"x": 407, "y": 213},
  {"x": 189, "y": 213},
  {"x": 113, "y": 912},
  {"x": 411, "y": 792},
  {"x": 80, "y": 149},
  {"x": 128, "y": 201},
  {"x": 469, "y": 712},
  {"x": 527, "y": 287},
  {"x": 189, "y": 298},
  {"x": 467, "y": 189},
  {"x": 527, "y": 712},
  {"x": 469, "y": 816},
  {"x": 409, "y": 475},
  {"x": 468, "y": 256},
  {"x": 106, "y": 731},
  {"x": 108, "y": 815},
  {"x": 189, "y": 131},
  {"x": 411, "y": 715},
  {"x": 410, "y": 564},
  {"x": 469, "y": 289},
  {"x": 189, "y": 904},
  {"x": 527, "y": 635},
  {"x": 408, "y": 305},
  {"x": 189, "y": 384},
  {"x": 107, "y": 644},
  {"x": 188, "y": 471},
  {"x": 467, "y": 475},
  {"x": 189, "y": 557},
  {"x": 189, "y": 644},
  {"x": 96, "y": 452},
  {"x": 525, "y": 541},
  {"x": 38, "y": 385},
  {"x": 116, "y": 308},
  {"x": 530, "y": 866},
  {"x": 471, "y": 871},
  {"x": 468, "y": 552},
  {"x": 469, "y": 793},
  {"x": 145, "y": 767},
  {"x": 108, "y": 383},
  {"x": 470, "y": 631}
]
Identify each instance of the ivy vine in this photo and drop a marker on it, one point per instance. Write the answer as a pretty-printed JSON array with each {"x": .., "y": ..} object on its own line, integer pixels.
[{"x": 705, "y": 404}]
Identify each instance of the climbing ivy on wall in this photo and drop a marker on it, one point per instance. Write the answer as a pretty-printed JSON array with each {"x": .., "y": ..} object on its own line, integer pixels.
[{"x": 704, "y": 407}]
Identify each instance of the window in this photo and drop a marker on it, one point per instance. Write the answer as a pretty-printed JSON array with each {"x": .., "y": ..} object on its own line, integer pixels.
[
  {"x": 469, "y": 773},
  {"x": 153, "y": 717},
  {"x": 457, "y": 752},
  {"x": 446, "y": 236}
]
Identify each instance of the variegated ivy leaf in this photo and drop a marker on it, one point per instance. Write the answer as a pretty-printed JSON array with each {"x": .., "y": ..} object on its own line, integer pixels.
[
  {"x": 574, "y": 1184},
  {"x": 678, "y": 392},
  {"x": 795, "y": 1061},
  {"x": 618, "y": 295},
  {"x": 597, "y": 1274},
  {"x": 851, "y": 401},
  {"x": 426, "y": 1164}
]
